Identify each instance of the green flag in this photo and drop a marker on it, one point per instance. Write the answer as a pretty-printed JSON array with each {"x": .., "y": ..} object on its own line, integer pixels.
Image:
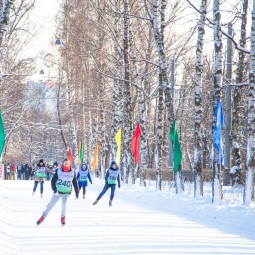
[
  {"x": 81, "y": 153},
  {"x": 2, "y": 134},
  {"x": 173, "y": 135}
]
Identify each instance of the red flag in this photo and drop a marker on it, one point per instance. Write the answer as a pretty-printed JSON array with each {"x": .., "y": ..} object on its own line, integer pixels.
[
  {"x": 135, "y": 143},
  {"x": 70, "y": 155}
]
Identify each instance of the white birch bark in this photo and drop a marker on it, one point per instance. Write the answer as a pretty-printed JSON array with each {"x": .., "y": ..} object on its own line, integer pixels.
[
  {"x": 249, "y": 179},
  {"x": 141, "y": 110},
  {"x": 116, "y": 92},
  {"x": 198, "y": 183},
  {"x": 159, "y": 134},
  {"x": 236, "y": 154},
  {"x": 126, "y": 97},
  {"x": 73, "y": 133},
  {"x": 216, "y": 184},
  {"x": 153, "y": 16},
  {"x": 5, "y": 8}
]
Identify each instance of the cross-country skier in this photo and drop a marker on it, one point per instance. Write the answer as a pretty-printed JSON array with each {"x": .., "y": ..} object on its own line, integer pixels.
[
  {"x": 40, "y": 175},
  {"x": 111, "y": 178},
  {"x": 61, "y": 184},
  {"x": 83, "y": 176}
]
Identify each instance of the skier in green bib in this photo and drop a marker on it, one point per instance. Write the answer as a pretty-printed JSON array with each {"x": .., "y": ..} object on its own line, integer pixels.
[
  {"x": 61, "y": 184},
  {"x": 40, "y": 175},
  {"x": 111, "y": 179}
]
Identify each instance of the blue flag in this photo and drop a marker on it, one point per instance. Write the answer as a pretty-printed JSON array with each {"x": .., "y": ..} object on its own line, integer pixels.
[{"x": 217, "y": 139}]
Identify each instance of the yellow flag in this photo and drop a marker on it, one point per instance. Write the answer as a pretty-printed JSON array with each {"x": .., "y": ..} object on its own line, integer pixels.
[
  {"x": 118, "y": 142},
  {"x": 95, "y": 159}
]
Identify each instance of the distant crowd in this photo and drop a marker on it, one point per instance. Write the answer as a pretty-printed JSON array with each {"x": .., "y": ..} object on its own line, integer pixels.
[{"x": 25, "y": 171}]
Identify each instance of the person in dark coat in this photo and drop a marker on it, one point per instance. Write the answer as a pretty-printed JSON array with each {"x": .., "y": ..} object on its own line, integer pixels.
[
  {"x": 26, "y": 171},
  {"x": 111, "y": 179},
  {"x": 62, "y": 182}
]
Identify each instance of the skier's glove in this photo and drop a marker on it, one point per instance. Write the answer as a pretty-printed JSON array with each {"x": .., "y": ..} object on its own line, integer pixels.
[
  {"x": 56, "y": 192},
  {"x": 76, "y": 196}
]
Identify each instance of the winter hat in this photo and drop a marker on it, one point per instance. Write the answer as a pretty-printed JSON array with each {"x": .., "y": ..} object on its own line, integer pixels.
[
  {"x": 84, "y": 164},
  {"x": 113, "y": 163}
]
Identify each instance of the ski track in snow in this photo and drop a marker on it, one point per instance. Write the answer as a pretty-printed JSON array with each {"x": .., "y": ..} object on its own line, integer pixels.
[{"x": 141, "y": 221}]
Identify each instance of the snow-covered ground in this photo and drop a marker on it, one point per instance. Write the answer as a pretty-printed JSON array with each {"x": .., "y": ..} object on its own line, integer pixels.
[{"x": 141, "y": 221}]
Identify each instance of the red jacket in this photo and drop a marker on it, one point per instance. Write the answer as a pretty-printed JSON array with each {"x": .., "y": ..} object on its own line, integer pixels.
[{"x": 13, "y": 167}]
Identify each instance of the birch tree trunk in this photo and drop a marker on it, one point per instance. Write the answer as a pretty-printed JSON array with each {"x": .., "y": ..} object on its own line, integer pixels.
[
  {"x": 91, "y": 144},
  {"x": 116, "y": 92},
  {"x": 198, "y": 182},
  {"x": 249, "y": 178},
  {"x": 145, "y": 147},
  {"x": 216, "y": 183},
  {"x": 236, "y": 155},
  {"x": 141, "y": 110},
  {"x": 73, "y": 133},
  {"x": 158, "y": 38},
  {"x": 159, "y": 134},
  {"x": 5, "y": 9},
  {"x": 126, "y": 97}
]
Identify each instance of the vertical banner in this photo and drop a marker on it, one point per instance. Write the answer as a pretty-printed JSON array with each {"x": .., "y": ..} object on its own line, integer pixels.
[
  {"x": 2, "y": 134},
  {"x": 70, "y": 155},
  {"x": 1, "y": 171},
  {"x": 95, "y": 159},
  {"x": 135, "y": 143},
  {"x": 118, "y": 142}
]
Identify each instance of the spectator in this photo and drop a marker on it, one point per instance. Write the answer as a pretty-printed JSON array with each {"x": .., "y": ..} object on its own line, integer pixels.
[
  {"x": 13, "y": 170},
  {"x": 7, "y": 171},
  {"x": 30, "y": 169},
  {"x": 19, "y": 171},
  {"x": 26, "y": 171}
]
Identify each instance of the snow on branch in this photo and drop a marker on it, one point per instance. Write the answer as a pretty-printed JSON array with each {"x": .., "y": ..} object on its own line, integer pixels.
[{"x": 237, "y": 46}]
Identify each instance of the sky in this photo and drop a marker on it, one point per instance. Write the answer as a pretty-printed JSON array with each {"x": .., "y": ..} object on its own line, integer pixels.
[
  {"x": 42, "y": 20},
  {"x": 43, "y": 26},
  {"x": 141, "y": 221}
]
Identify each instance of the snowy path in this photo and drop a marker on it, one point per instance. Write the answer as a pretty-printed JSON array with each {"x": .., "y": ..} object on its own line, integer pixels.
[{"x": 128, "y": 227}]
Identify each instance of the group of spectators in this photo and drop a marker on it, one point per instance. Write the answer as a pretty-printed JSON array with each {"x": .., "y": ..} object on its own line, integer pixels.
[{"x": 21, "y": 171}]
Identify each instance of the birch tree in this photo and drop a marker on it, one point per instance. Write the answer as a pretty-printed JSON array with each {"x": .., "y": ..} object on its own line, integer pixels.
[
  {"x": 198, "y": 182},
  {"x": 126, "y": 96},
  {"x": 216, "y": 183},
  {"x": 5, "y": 9},
  {"x": 249, "y": 179},
  {"x": 236, "y": 105}
]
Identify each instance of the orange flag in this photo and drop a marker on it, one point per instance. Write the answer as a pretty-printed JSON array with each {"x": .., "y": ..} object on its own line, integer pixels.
[{"x": 95, "y": 159}]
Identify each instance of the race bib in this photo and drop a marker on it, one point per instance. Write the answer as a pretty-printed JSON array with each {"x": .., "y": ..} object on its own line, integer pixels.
[
  {"x": 40, "y": 173},
  {"x": 112, "y": 178},
  {"x": 64, "y": 182}
]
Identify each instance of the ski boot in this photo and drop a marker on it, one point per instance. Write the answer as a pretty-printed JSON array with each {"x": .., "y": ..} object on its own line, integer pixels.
[
  {"x": 63, "y": 220},
  {"x": 40, "y": 220},
  {"x": 95, "y": 202}
]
